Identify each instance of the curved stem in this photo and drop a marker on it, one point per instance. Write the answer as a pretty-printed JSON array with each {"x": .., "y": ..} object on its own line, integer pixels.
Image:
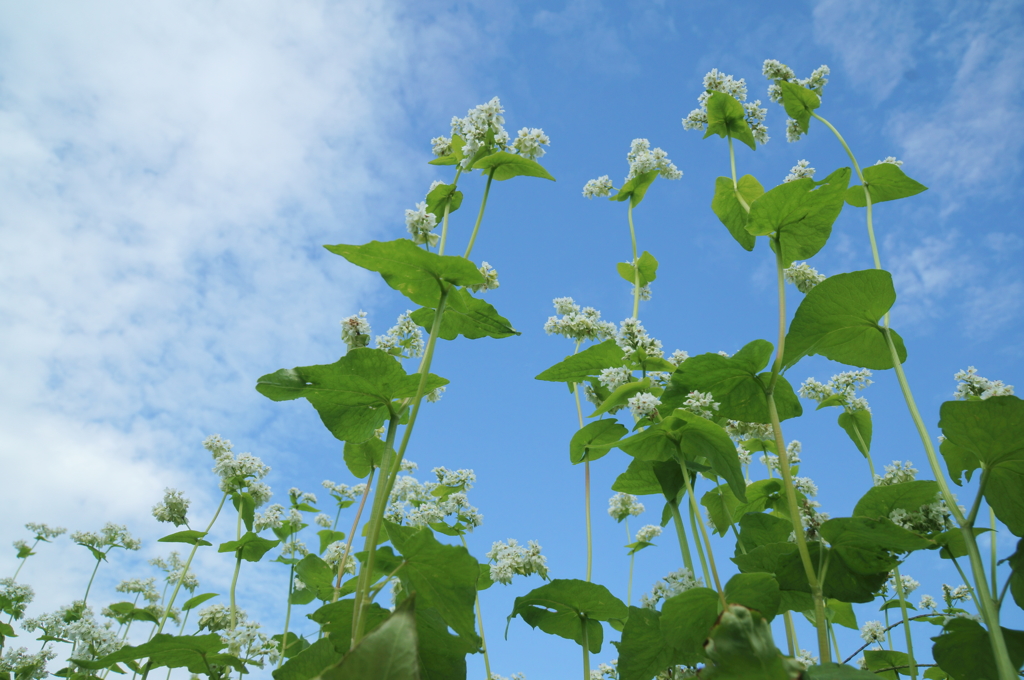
[
  {"x": 704, "y": 533},
  {"x": 355, "y": 523},
  {"x": 732, "y": 165},
  {"x": 906, "y": 620},
  {"x": 684, "y": 546},
  {"x": 700, "y": 547},
  {"x": 480, "y": 216},
  {"x": 238, "y": 567},
  {"x": 447, "y": 208},
  {"x": 636, "y": 265},
  {"x": 89, "y": 586},
  {"x": 992, "y": 551},
  {"x": 480, "y": 618}
]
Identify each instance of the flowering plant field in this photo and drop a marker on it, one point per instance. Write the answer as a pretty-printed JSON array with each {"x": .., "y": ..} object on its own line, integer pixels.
[{"x": 385, "y": 576}]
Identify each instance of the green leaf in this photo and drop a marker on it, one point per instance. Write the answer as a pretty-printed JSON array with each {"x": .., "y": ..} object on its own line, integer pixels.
[
  {"x": 727, "y": 118},
  {"x": 741, "y": 647},
  {"x": 595, "y": 439},
  {"x": 959, "y": 461},
  {"x": 721, "y": 505},
  {"x": 484, "y": 581},
  {"x": 799, "y": 103},
  {"x": 735, "y": 383},
  {"x": 589, "y": 362},
  {"x": 992, "y": 430},
  {"x": 291, "y": 644},
  {"x": 387, "y": 653},
  {"x": 766, "y": 558},
  {"x": 635, "y": 188},
  {"x": 443, "y": 576},
  {"x": 412, "y": 271},
  {"x": 858, "y": 426},
  {"x": 838, "y": 319},
  {"x": 194, "y": 602},
  {"x": 335, "y": 620},
  {"x": 757, "y": 529},
  {"x": 352, "y": 395},
  {"x": 648, "y": 269},
  {"x": 506, "y": 165},
  {"x": 861, "y": 532},
  {"x": 886, "y": 182},
  {"x": 250, "y": 547},
  {"x": 317, "y": 575},
  {"x": 953, "y": 542},
  {"x": 442, "y": 196},
  {"x": 190, "y": 537},
  {"x": 841, "y": 613},
  {"x": 686, "y": 620},
  {"x": 764, "y": 494},
  {"x": 563, "y": 606},
  {"x": 328, "y": 536},
  {"x": 467, "y": 316},
  {"x": 877, "y": 660},
  {"x": 362, "y": 457},
  {"x": 1016, "y": 561},
  {"x": 732, "y": 206},
  {"x": 847, "y": 580},
  {"x": 442, "y": 655},
  {"x": 194, "y": 652},
  {"x": 880, "y": 501},
  {"x": 621, "y": 394},
  {"x": 639, "y": 478},
  {"x": 756, "y": 591},
  {"x": 800, "y": 213},
  {"x": 455, "y": 156},
  {"x": 964, "y": 650},
  {"x": 643, "y": 653}
]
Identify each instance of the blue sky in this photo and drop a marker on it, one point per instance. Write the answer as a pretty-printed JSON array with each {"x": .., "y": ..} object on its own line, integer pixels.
[{"x": 168, "y": 176}]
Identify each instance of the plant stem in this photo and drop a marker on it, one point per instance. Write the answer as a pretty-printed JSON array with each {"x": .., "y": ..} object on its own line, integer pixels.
[
  {"x": 586, "y": 650},
  {"x": 906, "y": 620},
  {"x": 89, "y": 586},
  {"x": 636, "y": 264},
  {"x": 447, "y": 207},
  {"x": 704, "y": 533},
  {"x": 700, "y": 547},
  {"x": 480, "y": 216},
  {"x": 355, "y": 523},
  {"x": 22, "y": 563},
  {"x": 629, "y": 587},
  {"x": 992, "y": 545},
  {"x": 835, "y": 640},
  {"x": 287, "y": 614},
  {"x": 732, "y": 165},
  {"x": 480, "y": 618},
  {"x": 586, "y": 479},
  {"x": 684, "y": 546},
  {"x": 238, "y": 567},
  {"x": 791, "y": 640}
]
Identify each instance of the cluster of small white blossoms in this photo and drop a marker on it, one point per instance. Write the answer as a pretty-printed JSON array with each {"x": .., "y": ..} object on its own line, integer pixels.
[
  {"x": 174, "y": 566},
  {"x": 701, "y": 404},
  {"x": 343, "y": 493},
  {"x": 642, "y": 159},
  {"x": 404, "y": 339},
  {"x": 843, "y": 384},
  {"x": 474, "y": 129},
  {"x": 632, "y": 337},
  {"x": 614, "y": 377},
  {"x": 803, "y": 276},
  {"x": 741, "y": 431},
  {"x": 514, "y": 676},
  {"x": 643, "y": 405},
  {"x": 897, "y": 473},
  {"x": 414, "y": 504},
  {"x": 490, "y": 275},
  {"x": 801, "y": 170},
  {"x": 623, "y": 505},
  {"x": 806, "y": 659},
  {"x": 952, "y": 595},
  {"x": 243, "y": 471},
  {"x": 973, "y": 386},
  {"x": 173, "y": 509},
  {"x": 909, "y": 584},
  {"x": 217, "y": 617},
  {"x": 77, "y": 624},
  {"x": 578, "y": 324},
  {"x": 355, "y": 330},
  {"x": 42, "y": 532},
  {"x": 332, "y": 556},
  {"x": 931, "y": 518},
  {"x": 434, "y": 395},
  {"x": 15, "y": 596},
  {"x": 873, "y": 632},
  {"x": 18, "y": 663},
  {"x": 529, "y": 141},
  {"x": 420, "y": 224},
  {"x": 144, "y": 587},
  {"x": 110, "y": 536},
  {"x": 676, "y": 582},
  {"x": 775, "y": 71},
  {"x": 793, "y": 450},
  {"x": 716, "y": 81},
  {"x": 511, "y": 559},
  {"x": 678, "y": 673},
  {"x": 648, "y": 533},
  {"x": 602, "y": 186},
  {"x": 890, "y": 159},
  {"x": 606, "y": 671},
  {"x": 247, "y": 642}
]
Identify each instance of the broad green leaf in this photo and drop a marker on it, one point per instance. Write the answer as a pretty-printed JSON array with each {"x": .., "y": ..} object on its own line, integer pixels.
[
  {"x": 799, "y": 103},
  {"x": 1016, "y": 561},
  {"x": 622, "y": 394},
  {"x": 639, "y": 479},
  {"x": 857, "y": 425},
  {"x": 648, "y": 267},
  {"x": 835, "y": 671},
  {"x": 838, "y": 319},
  {"x": 992, "y": 430},
  {"x": 732, "y": 206},
  {"x": 862, "y": 532},
  {"x": 507, "y": 165},
  {"x": 643, "y": 653},
  {"x": 953, "y": 542},
  {"x": 721, "y": 505},
  {"x": 800, "y": 213},
  {"x": 387, "y": 653},
  {"x": 727, "y": 118},
  {"x": 191, "y": 537},
  {"x": 484, "y": 581},
  {"x": 563, "y": 606},
  {"x": 886, "y": 182},
  {"x": 442, "y": 196},
  {"x": 964, "y": 650},
  {"x": 765, "y": 558},
  {"x": 595, "y": 439},
  {"x": 880, "y": 660},
  {"x": 352, "y": 395},
  {"x": 763, "y": 494},
  {"x": 846, "y": 579},
  {"x": 194, "y": 652},
  {"x": 635, "y": 188},
  {"x": 589, "y": 362},
  {"x": 335, "y": 620},
  {"x": 467, "y": 316},
  {"x": 317, "y": 575},
  {"x": 412, "y": 271},
  {"x": 291, "y": 645},
  {"x": 328, "y": 536},
  {"x": 362, "y": 457},
  {"x": 443, "y": 576},
  {"x": 250, "y": 547},
  {"x": 735, "y": 384},
  {"x": 959, "y": 461},
  {"x": 741, "y": 647},
  {"x": 194, "y": 602},
  {"x": 880, "y": 501},
  {"x": 756, "y": 591},
  {"x": 841, "y": 613},
  {"x": 686, "y": 620},
  {"x": 441, "y": 654},
  {"x": 127, "y": 611},
  {"x": 670, "y": 479},
  {"x": 757, "y": 529}
]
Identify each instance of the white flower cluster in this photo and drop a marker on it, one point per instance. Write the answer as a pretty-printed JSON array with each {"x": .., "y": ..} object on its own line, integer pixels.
[
  {"x": 42, "y": 532},
  {"x": 441, "y": 146},
  {"x": 890, "y": 159},
  {"x": 217, "y": 617},
  {"x": 110, "y": 536},
  {"x": 806, "y": 486},
  {"x": 909, "y": 584},
  {"x": 144, "y": 587},
  {"x": 803, "y": 276},
  {"x": 927, "y": 602},
  {"x": 91, "y": 639},
  {"x": 332, "y": 556},
  {"x": 811, "y": 519},
  {"x": 344, "y": 493},
  {"x": 490, "y": 275},
  {"x": 648, "y": 533},
  {"x": 741, "y": 431},
  {"x": 931, "y": 518},
  {"x": 606, "y": 671},
  {"x": 632, "y": 337},
  {"x": 173, "y": 509},
  {"x": 602, "y": 186},
  {"x": 843, "y": 384},
  {"x": 873, "y": 632},
  {"x": 676, "y": 582},
  {"x": 355, "y": 330},
  {"x": 529, "y": 141},
  {"x": 18, "y": 663},
  {"x": 247, "y": 642},
  {"x": 678, "y": 357},
  {"x": 645, "y": 292},
  {"x": 404, "y": 339},
  {"x": 514, "y": 676},
  {"x": 15, "y": 596},
  {"x": 420, "y": 224},
  {"x": 434, "y": 395},
  {"x": 615, "y": 377},
  {"x": 415, "y": 504},
  {"x": 241, "y": 472},
  {"x": 801, "y": 170},
  {"x": 511, "y": 559},
  {"x": 298, "y": 496},
  {"x": 622, "y": 505},
  {"x": 643, "y": 405},
  {"x": 806, "y": 659},
  {"x": 973, "y": 386},
  {"x": 952, "y": 595},
  {"x": 642, "y": 159},
  {"x": 897, "y": 473},
  {"x": 474, "y": 129},
  {"x": 715, "y": 81},
  {"x": 578, "y": 324},
  {"x": 775, "y": 71},
  {"x": 701, "y": 404}
]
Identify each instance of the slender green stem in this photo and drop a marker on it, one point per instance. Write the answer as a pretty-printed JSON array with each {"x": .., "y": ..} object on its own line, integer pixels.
[
  {"x": 888, "y": 628},
  {"x": 684, "y": 546},
  {"x": 22, "y": 563},
  {"x": 835, "y": 640},
  {"x": 586, "y": 481},
  {"x": 480, "y": 618},
  {"x": 632, "y": 555},
  {"x": 791, "y": 641},
  {"x": 355, "y": 522},
  {"x": 586, "y": 650},
  {"x": 732, "y": 164},
  {"x": 695, "y": 511},
  {"x": 444, "y": 221},
  {"x": 864, "y": 447},
  {"x": 480, "y": 216},
  {"x": 700, "y": 547},
  {"x": 906, "y": 621},
  {"x": 868, "y": 644},
  {"x": 967, "y": 582},
  {"x": 287, "y": 614},
  {"x": 992, "y": 546},
  {"x": 89, "y": 586},
  {"x": 636, "y": 264},
  {"x": 238, "y": 567}
]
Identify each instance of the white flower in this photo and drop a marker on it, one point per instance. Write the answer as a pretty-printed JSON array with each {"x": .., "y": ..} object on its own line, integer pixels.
[
  {"x": 806, "y": 486},
  {"x": 333, "y": 555},
  {"x": 577, "y": 324},
  {"x": 404, "y": 339},
  {"x": 490, "y": 275},
  {"x": 441, "y": 146},
  {"x": 111, "y": 536},
  {"x": 927, "y": 602},
  {"x": 645, "y": 292},
  {"x": 806, "y": 659},
  {"x": 676, "y": 582},
  {"x": 529, "y": 141},
  {"x": 269, "y": 519},
  {"x": 908, "y": 583},
  {"x": 647, "y": 533},
  {"x": 324, "y": 520},
  {"x": 643, "y": 404},
  {"x": 247, "y": 642},
  {"x": 420, "y": 224},
  {"x": 173, "y": 509},
  {"x": 843, "y": 384},
  {"x": 217, "y": 446},
  {"x": 511, "y": 559},
  {"x": 622, "y": 505},
  {"x": 602, "y": 186},
  {"x": 702, "y": 404},
  {"x": 715, "y": 81},
  {"x": 632, "y": 337},
  {"x": 793, "y": 130},
  {"x": 873, "y": 631},
  {"x": 474, "y": 128},
  {"x": 678, "y": 357},
  {"x": 614, "y": 377},
  {"x": 434, "y": 395},
  {"x": 974, "y": 386},
  {"x": 890, "y": 159},
  {"x": 740, "y": 430},
  {"x": 801, "y": 170},
  {"x": 643, "y": 159},
  {"x": 897, "y": 473},
  {"x": 43, "y": 532},
  {"x": 464, "y": 479},
  {"x": 355, "y": 330}
]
